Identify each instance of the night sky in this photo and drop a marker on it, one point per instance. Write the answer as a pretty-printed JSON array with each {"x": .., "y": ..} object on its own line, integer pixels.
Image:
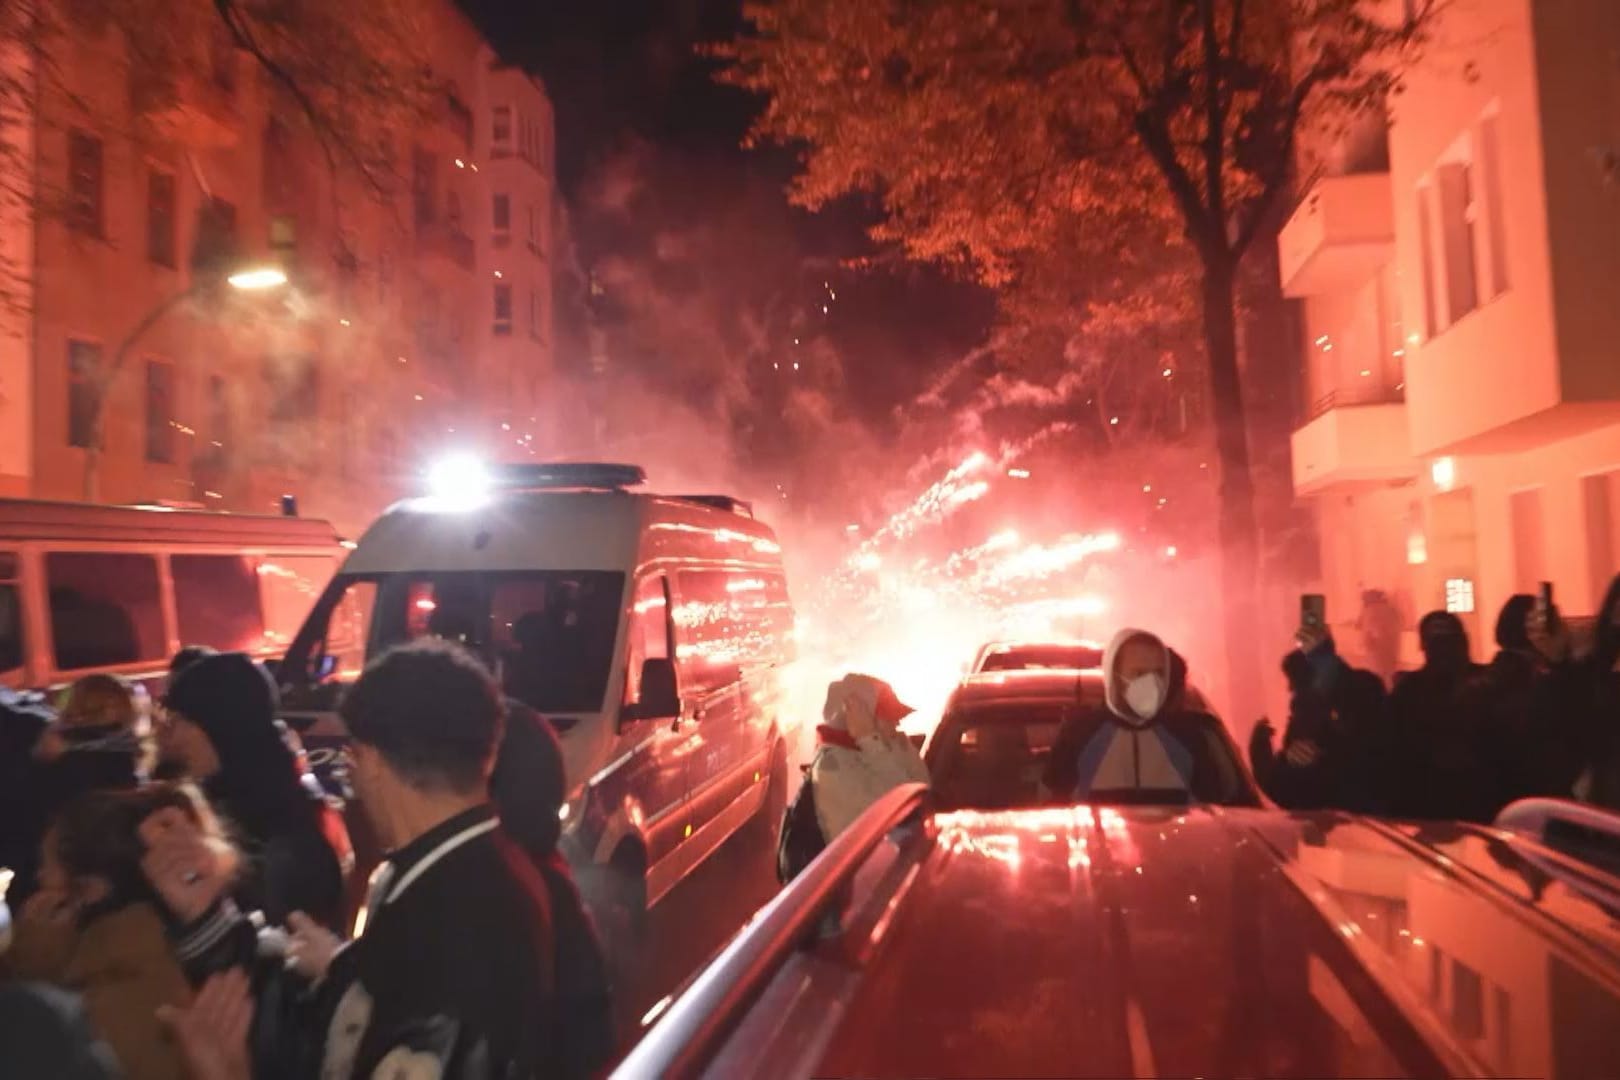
[{"x": 630, "y": 69}]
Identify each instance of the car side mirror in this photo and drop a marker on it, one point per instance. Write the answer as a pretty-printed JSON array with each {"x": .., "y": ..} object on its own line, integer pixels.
[{"x": 660, "y": 696}]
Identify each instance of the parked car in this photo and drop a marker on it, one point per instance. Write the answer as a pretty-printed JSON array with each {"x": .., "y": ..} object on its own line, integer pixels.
[
  {"x": 651, "y": 631},
  {"x": 991, "y": 746},
  {"x": 1094, "y": 941},
  {"x": 119, "y": 589},
  {"x": 1030, "y": 655}
]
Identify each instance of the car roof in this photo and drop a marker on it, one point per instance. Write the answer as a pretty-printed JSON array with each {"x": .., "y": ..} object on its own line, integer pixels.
[
  {"x": 1035, "y": 686},
  {"x": 1082, "y": 941}
]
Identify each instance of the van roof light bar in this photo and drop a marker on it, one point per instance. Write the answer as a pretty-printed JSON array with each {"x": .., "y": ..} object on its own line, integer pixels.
[{"x": 587, "y": 475}]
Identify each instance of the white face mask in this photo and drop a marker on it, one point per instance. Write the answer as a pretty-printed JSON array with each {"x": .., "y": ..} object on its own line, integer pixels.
[{"x": 1145, "y": 695}]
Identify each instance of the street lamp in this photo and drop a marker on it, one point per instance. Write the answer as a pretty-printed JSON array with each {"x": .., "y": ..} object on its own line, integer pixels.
[
  {"x": 247, "y": 279},
  {"x": 255, "y": 278}
]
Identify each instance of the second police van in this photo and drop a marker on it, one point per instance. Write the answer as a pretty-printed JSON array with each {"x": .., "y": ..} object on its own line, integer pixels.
[{"x": 652, "y": 631}]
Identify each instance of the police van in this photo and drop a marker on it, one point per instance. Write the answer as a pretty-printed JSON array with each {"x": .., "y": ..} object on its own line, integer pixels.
[
  {"x": 653, "y": 632},
  {"x": 118, "y": 589}
]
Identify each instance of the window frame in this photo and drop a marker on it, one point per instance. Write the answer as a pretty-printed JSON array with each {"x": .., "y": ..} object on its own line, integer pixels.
[
  {"x": 160, "y": 440},
  {"x": 86, "y": 209},
  {"x": 502, "y": 308},
  {"x": 83, "y": 389},
  {"x": 162, "y": 218}
]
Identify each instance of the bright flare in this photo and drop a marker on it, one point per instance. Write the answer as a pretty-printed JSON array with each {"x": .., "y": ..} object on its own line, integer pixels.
[
  {"x": 459, "y": 481},
  {"x": 261, "y": 277}
]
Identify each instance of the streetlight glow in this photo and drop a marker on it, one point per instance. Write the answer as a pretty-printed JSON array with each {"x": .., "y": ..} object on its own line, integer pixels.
[{"x": 260, "y": 277}]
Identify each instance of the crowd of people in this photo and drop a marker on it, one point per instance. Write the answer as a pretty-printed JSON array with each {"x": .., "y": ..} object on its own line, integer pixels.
[
  {"x": 1454, "y": 739},
  {"x": 180, "y": 884}
]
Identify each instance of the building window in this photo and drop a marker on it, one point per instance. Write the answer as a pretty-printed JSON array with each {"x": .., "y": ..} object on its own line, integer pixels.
[
  {"x": 1425, "y": 197},
  {"x": 423, "y": 181},
  {"x": 452, "y": 212},
  {"x": 160, "y": 412},
  {"x": 500, "y": 131},
  {"x": 1455, "y": 183},
  {"x": 294, "y": 389},
  {"x": 84, "y": 392},
  {"x": 503, "y": 307},
  {"x": 1460, "y": 596},
  {"x": 534, "y": 229},
  {"x": 160, "y": 218},
  {"x": 502, "y": 213},
  {"x": 1490, "y": 167},
  {"x": 84, "y": 205},
  {"x": 215, "y": 246}
]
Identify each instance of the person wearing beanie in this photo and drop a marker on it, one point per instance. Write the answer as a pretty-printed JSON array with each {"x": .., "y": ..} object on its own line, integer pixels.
[{"x": 219, "y": 729}]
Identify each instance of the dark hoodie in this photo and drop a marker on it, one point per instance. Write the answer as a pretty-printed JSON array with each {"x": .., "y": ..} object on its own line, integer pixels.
[
  {"x": 1573, "y": 718},
  {"x": 1445, "y": 768},
  {"x": 292, "y": 841},
  {"x": 528, "y": 788}
]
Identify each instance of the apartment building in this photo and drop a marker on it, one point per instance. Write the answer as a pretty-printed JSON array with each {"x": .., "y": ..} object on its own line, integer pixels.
[
  {"x": 1459, "y": 272},
  {"x": 408, "y": 325}
]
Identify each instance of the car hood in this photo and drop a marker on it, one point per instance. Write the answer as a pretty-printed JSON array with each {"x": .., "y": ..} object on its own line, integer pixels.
[{"x": 1140, "y": 942}]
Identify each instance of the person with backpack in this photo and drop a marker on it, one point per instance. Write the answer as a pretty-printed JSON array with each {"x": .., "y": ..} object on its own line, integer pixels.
[{"x": 861, "y": 755}]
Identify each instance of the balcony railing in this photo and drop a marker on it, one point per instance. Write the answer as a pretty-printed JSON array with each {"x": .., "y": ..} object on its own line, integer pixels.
[{"x": 1344, "y": 396}]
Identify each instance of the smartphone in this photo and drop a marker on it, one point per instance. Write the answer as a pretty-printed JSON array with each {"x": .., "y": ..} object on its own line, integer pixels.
[
  {"x": 1313, "y": 611},
  {"x": 1544, "y": 599}
]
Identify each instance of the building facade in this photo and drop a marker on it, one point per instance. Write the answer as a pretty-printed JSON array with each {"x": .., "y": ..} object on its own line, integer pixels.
[
  {"x": 1459, "y": 271},
  {"x": 412, "y": 322}
]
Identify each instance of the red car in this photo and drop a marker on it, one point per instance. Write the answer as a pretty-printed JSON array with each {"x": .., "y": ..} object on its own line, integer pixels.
[{"x": 1137, "y": 941}]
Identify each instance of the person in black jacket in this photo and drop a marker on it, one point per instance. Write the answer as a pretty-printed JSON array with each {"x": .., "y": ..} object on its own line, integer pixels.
[
  {"x": 457, "y": 958},
  {"x": 220, "y": 729},
  {"x": 1443, "y": 767},
  {"x": 1574, "y": 709},
  {"x": 1331, "y": 746},
  {"x": 529, "y": 790}
]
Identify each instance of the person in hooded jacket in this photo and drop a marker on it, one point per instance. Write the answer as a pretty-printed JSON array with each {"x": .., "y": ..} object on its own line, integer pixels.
[
  {"x": 1443, "y": 768},
  {"x": 220, "y": 730},
  {"x": 1574, "y": 709},
  {"x": 1138, "y": 747},
  {"x": 1336, "y": 727},
  {"x": 862, "y": 754},
  {"x": 1519, "y": 755},
  {"x": 91, "y": 746}
]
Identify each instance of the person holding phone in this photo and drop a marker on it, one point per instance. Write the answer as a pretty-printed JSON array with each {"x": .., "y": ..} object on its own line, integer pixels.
[{"x": 1336, "y": 730}]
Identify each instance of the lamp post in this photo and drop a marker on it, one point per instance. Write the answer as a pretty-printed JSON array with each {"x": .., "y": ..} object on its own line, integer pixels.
[{"x": 246, "y": 279}]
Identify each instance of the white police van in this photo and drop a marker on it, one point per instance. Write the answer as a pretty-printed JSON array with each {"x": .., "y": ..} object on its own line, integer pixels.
[{"x": 653, "y": 632}]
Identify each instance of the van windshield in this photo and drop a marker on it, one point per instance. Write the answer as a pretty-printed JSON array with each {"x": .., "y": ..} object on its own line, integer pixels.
[{"x": 549, "y": 635}]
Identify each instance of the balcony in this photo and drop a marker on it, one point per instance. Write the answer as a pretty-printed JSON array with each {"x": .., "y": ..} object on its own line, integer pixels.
[
  {"x": 197, "y": 111},
  {"x": 440, "y": 242},
  {"x": 1354, "y": 438},
  {"x": 1338, "y": 237}
]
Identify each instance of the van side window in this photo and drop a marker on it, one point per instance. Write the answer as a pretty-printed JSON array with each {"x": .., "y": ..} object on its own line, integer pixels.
[
  {"x": 106, "y": 609},
  {"x": 730, "y": 618},
  {"x": 11, "y": 632},
  {"x": 216, "y": 601},
  {"x": 289, "y": 585},
  {"x": 649, "y": 632}
]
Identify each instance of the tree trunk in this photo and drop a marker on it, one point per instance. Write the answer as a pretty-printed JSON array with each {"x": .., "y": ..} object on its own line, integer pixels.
[{"x": 1238, "y": 530}]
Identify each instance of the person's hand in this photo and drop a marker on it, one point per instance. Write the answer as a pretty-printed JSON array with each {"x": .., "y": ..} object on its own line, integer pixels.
[
  {"x": 183, "y": 865},
  {"x": 212, "y": 1031},
  {"x": 1309, "y": 637},
  {"x": 1548, "y": 636},
  {"x": 311, "y": 946}
]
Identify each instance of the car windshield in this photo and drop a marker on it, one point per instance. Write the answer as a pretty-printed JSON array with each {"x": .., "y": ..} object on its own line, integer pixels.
[
  {"x": 994, "y": 758},
  {"x": 548, "y": 634},
  {"x": 1042, "y": 657}
]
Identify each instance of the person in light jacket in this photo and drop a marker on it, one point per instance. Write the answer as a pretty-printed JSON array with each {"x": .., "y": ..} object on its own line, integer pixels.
[{"x": 863, "y": 754}]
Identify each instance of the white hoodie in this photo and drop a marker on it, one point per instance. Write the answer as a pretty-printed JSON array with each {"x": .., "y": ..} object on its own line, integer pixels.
[
  {"x": 1133, "y": 755},
  {"x": 861, "y": 757}
]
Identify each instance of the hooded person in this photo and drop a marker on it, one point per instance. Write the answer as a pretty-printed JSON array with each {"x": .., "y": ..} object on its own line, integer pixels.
[
  {"x": 1334, "y": 734},
  {"x": 1442, "y": 764},
  {"x": 92, "y": 745},
  {"x": 1140, "y": 745},
  {"x": 862, "y": 753},
  {"x": 220, "y": 730},
  {"x": 1573, "y": 737}
]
